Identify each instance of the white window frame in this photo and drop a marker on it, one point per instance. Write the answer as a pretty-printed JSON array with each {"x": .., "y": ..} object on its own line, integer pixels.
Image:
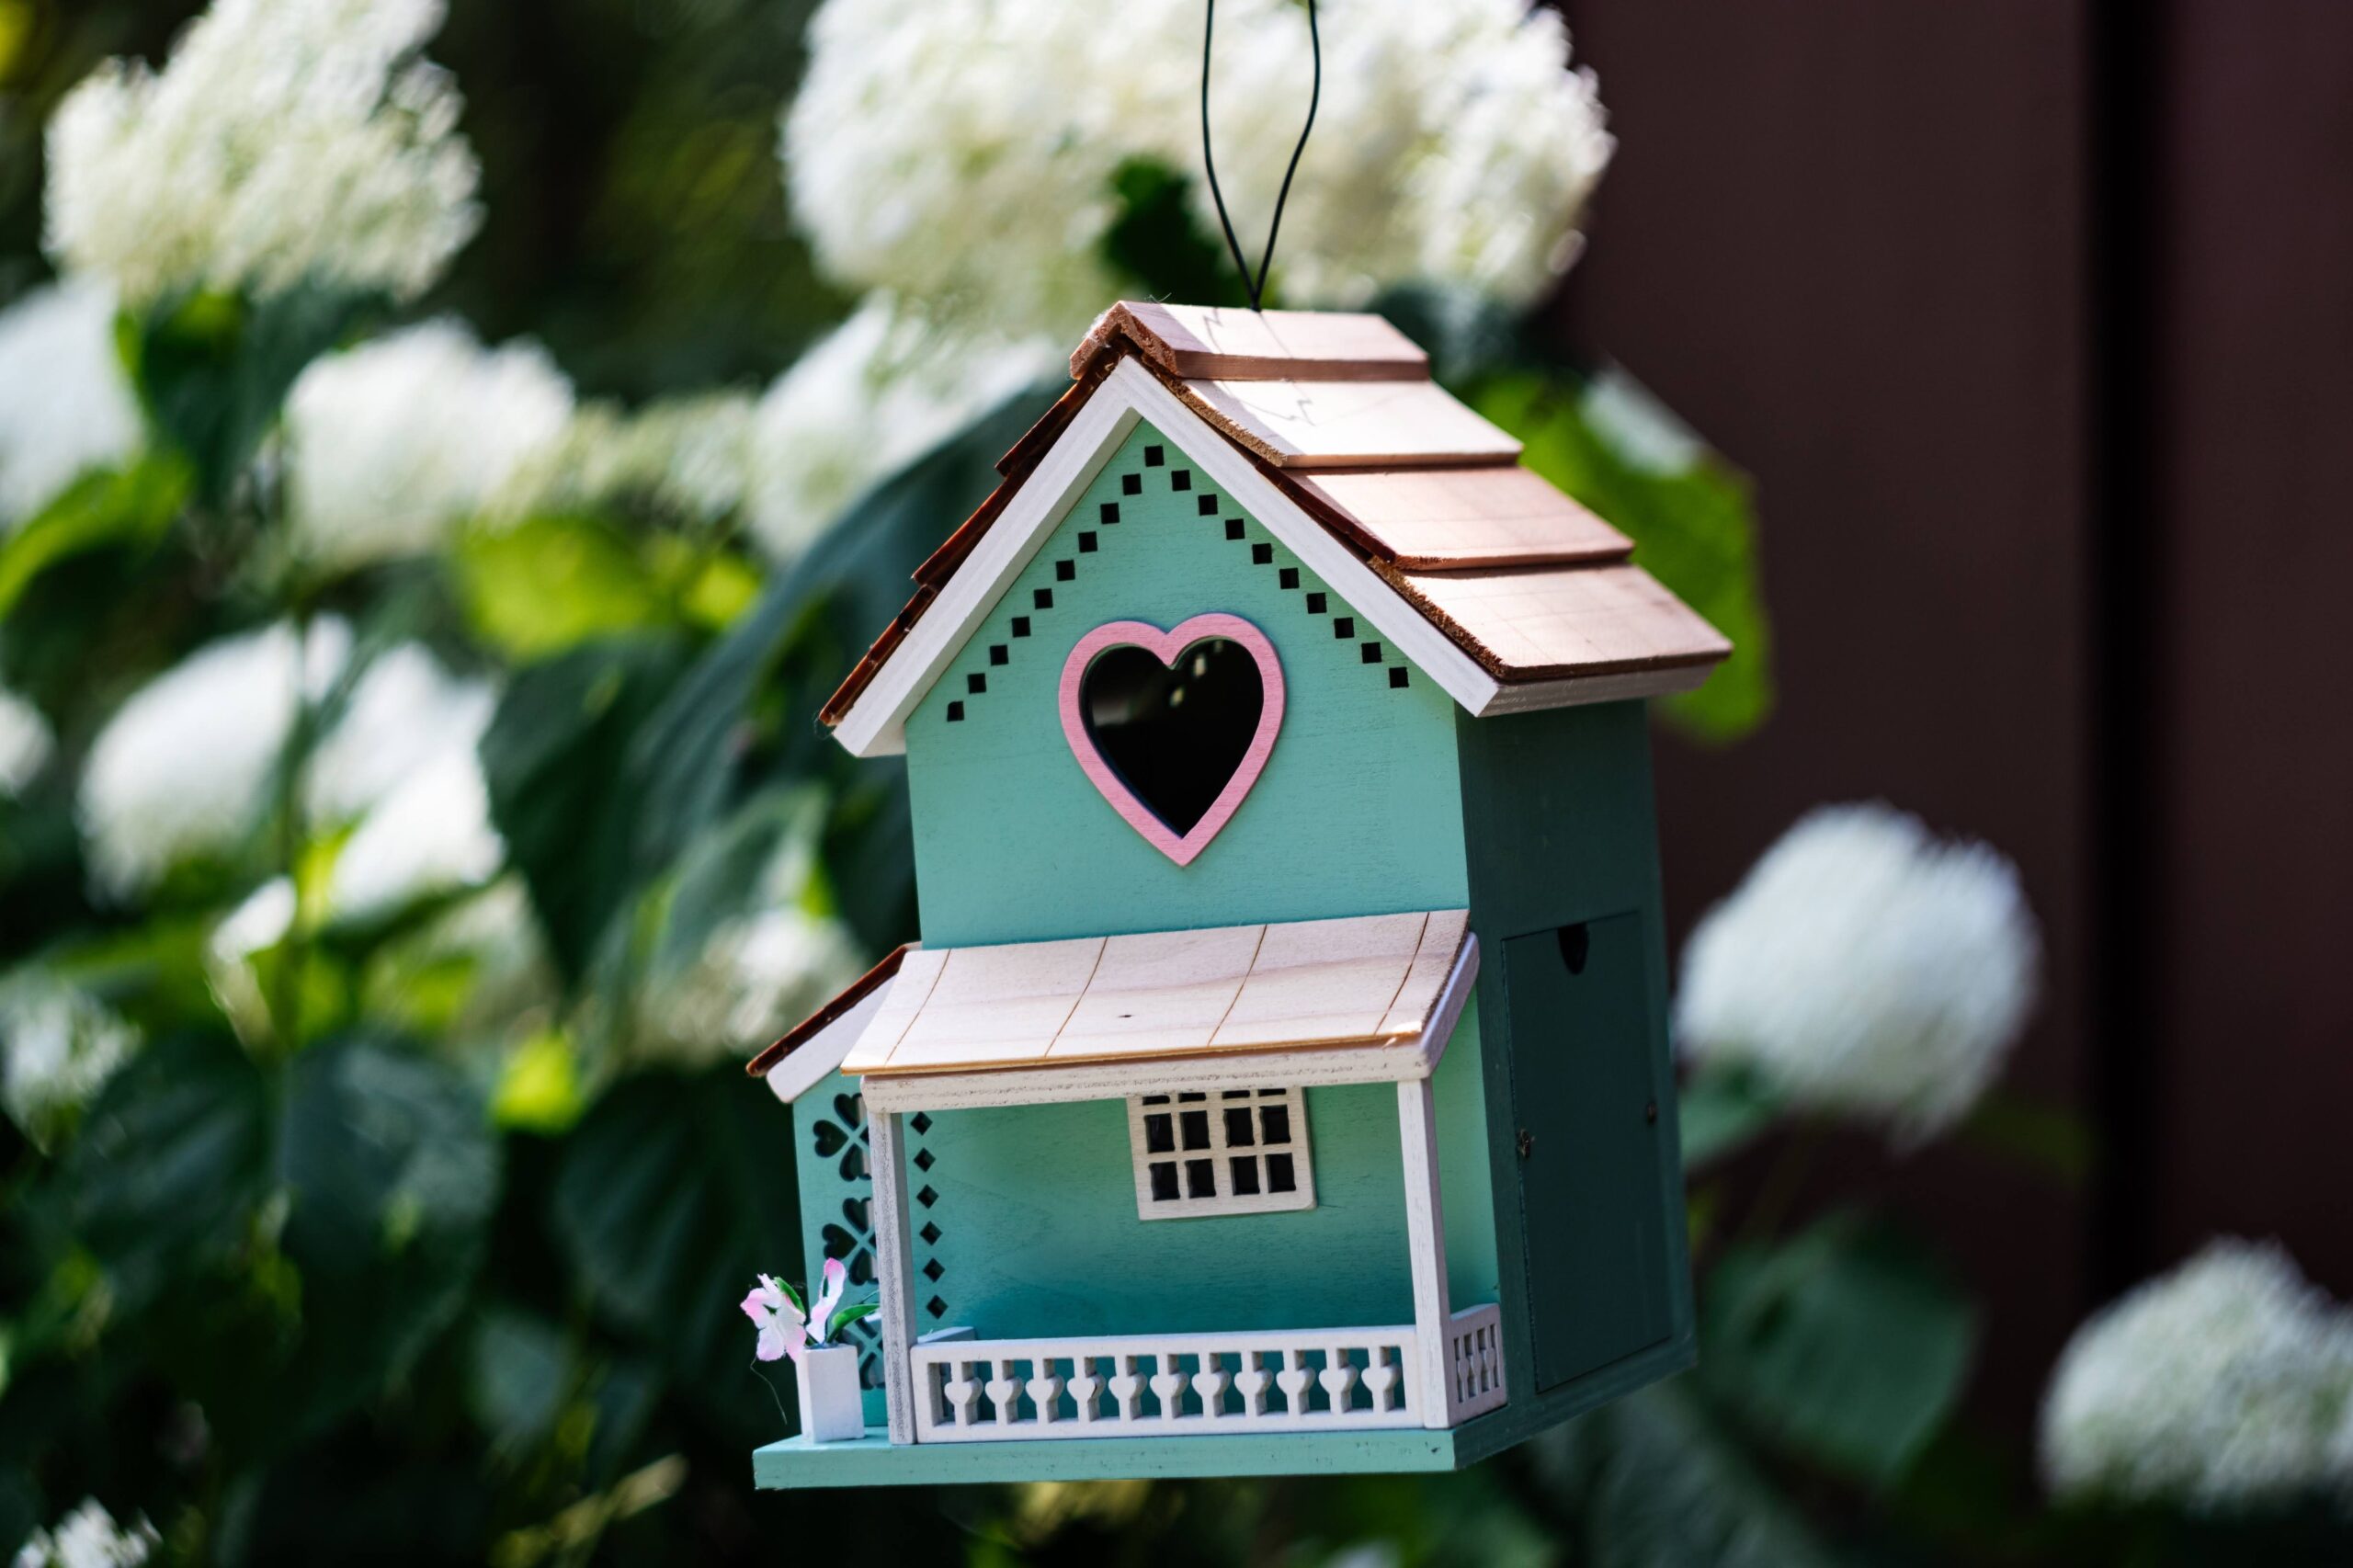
[{"x": 1232, "y": 1165}]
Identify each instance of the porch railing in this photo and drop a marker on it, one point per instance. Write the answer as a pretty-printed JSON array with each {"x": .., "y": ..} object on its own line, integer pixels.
[{"x": 1285, "y": 1380}]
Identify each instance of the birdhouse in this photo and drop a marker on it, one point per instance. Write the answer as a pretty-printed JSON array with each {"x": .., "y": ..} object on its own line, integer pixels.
[{"x": 1280, "y": 1084}]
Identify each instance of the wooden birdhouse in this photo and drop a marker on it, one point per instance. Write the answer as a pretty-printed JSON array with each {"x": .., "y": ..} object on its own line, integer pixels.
[{"x": 1281, "y": 1083}]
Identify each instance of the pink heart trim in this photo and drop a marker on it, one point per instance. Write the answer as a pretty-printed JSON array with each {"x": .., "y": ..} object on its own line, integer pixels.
[{"x": 1167, "y": 646}]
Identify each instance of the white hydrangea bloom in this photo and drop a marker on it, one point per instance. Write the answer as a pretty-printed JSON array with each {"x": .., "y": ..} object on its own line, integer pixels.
[
  {"x": 962, "y": 151},
  {"x": 1864, "y": 968},
  {"x": 877, "y": 391},
  {"x": 285, "y": 142},
  {"x": 432, "y": 835},
  {"x": 405, "y": 712},
  {"x": 690, "y": 459},
  {"x": 58, "y": 1047},
  {"x": 88, "y": 1537},
  {"x": 66, "y": 404},
  {"x": 188, "y": 764},
  {"x": 392, "y": 444},
  {"x": 2225, "y": 1384},
  {"x": 24, "y": 743}
]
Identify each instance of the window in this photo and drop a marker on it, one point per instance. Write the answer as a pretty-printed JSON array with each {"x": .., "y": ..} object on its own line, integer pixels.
[{"x": 1224, "y": 1152}]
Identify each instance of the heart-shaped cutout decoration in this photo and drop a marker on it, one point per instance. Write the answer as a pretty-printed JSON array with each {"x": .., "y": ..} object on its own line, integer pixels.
[{"x": 1174, "y": 727}]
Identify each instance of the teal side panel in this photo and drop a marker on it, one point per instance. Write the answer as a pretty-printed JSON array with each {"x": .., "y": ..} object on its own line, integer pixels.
[
  {"x": 1036, "y": 1233},
  {"x": 836, "y": 1208},
  {"x": 1583, "y": 1087},
  {"x": 1358, "y": 810},
  {"x": 1559, "y": 829},
  {"x": 1466, "y": 1187}
]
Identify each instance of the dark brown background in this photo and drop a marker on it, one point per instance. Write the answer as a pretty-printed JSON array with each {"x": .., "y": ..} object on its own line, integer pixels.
[{"x": 2034, "y": 322}]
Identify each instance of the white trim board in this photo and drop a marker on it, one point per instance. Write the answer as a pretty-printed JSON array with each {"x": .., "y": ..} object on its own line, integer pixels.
[
  {"x": 807, "y": 1064},
  {"x": 1309, "y": 1068},
  {"x": 876, "y": 722}
]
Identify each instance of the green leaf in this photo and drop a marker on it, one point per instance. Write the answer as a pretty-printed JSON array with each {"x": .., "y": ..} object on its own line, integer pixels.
[
  {"x": 171, "y": 1161},
  {"x": 745, "y": 715},
  {"x": 549, "y": 584},
  {"x": 1688, "y": 513},
  {"x": 214, "y": 369},
  {"x": 721, "y": 880},
  {"x": 2044, "y": 1139},
  {"x": 519, "y": 1373},
  {"x": 560, "y": 793},
  {"x": 1720, "y": 1112},
  {"x": 671, "y": 1197},
  {"x": 1649, "y": 1481},
  {"x": 1845, "y": 1344},
  {"x": 848, "y": 1316},
  {"x": 132, "y": 507},
  {"x": 392, "y": 1175}
]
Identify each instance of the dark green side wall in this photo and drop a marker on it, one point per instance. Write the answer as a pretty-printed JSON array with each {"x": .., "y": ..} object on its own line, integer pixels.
[{"x": 1560, "y": 829}]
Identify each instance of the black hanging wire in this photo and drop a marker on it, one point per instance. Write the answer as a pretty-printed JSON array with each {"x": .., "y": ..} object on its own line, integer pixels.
[{"x": 1257, "y": 287}]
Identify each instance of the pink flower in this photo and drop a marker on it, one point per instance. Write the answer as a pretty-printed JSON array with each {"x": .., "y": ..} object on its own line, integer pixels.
[
  {"x": 782, "y": 1324},
  {"x": 830, "y": 1297}
]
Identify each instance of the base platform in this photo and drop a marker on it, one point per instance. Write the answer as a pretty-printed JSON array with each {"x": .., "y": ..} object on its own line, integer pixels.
[{"x": 871, "y": 1461}]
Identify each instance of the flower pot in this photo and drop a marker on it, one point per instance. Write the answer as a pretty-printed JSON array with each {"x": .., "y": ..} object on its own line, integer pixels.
[{"x": 833, "y": 1407}]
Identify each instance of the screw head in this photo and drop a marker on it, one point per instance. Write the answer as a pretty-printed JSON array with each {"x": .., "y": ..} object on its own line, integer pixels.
[{"x": 1524, "y": 1141}]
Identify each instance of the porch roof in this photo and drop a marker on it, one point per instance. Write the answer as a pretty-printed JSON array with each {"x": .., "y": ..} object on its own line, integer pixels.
[{"x": 1361, "y": 999}]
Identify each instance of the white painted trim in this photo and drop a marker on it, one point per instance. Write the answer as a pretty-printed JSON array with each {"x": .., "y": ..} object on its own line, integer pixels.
[
  {"x": 814, "y": 1058},
  {"x": 875, "y": 724},
  {"x": 1220, "y": 1154},
  {"x": 1426, "y": 1245},
  {"x": 1403, "y": 1062},
  {"x": 1474, "y": 1363},
  {"x": 893, "y": 1267},
  {"x": 1527, "y": 697}
]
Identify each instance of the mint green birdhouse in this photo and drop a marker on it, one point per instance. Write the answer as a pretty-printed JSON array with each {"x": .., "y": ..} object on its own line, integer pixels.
[{"x": 1280, "y": 1084}]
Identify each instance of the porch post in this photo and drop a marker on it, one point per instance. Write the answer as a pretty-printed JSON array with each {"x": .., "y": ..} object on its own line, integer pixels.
[
  {"x": 894, "y": 1262},
  {"x": 1425, "y": 1238}
]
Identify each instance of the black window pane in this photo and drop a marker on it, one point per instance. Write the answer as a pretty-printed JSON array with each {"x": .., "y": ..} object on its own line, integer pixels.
[
  {"x": 1155, "y": 1100},
  {"x": 1279, "y": 1176},
  {"x": 1235, "y": 1094},
  {"x": 1189, "y": 1099},
  {"x": 1275, "y": 1120},
  {"x": 1237, "y": 1126},
  {"x": 1159, "y": 1135},
  {"x": 1164, "y": 1181},
  {"x": 1197, "y": 1128},
  {"x": 1246, "y": 1174},
  {"x": 1269, "y": 1092},
  {"x": 1200, "y": 1178}
]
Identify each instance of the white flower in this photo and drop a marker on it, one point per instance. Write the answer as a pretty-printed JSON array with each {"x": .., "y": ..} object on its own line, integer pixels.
[
  {"x": 186, "y": 767},
  {"x": 1862, "y": 967},
  {"x": 66, "y": 404},
  {"x": 88, "y": 1537},
  {"x": 402, "y": 758},
  {"x": 963, "y": 152},
  {"x": 392, "y": 444},
  {"x": 58, "y": 1047},
  {"x": 433, "y": 834},
  {"x": 2226, "y": 1383},
  {"x": 688, "y": 459},
  {"x": 285, "y": 142},
  {"x": 874, "y": 395},
  {"x": 404, "y": 713},
  {"x": 24, "y": 743}
]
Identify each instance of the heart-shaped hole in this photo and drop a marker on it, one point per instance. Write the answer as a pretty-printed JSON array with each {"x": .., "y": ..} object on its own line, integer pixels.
[{"x": 1174, "y": 733}]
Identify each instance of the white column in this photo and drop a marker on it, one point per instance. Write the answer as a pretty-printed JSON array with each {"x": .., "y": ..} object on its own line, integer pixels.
[
  {"x": 1425, "y": 1237},
  {"x": 894, "y": 1261}
]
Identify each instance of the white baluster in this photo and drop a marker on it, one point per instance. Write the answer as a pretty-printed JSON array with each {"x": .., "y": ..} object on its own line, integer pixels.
[
  {"x": 962, "y": 1390},
  {"x": 1210, "y": 1382},
  {"x": 1293, "y": 1379},
  {"x": 1005, "y": 1392},
  {"x": 1339, "y": 1379},
  {"x": 1086, "y": 1388},
  {"x": 1168, "y": 1385},
  {"x": 1252, "y": 1381},
  {"x": 1046, "y": 1388},
  {"x": 1381, "y": 1380}
]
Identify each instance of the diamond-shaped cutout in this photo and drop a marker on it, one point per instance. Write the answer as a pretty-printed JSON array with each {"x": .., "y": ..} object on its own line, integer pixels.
[
  {"x": 931, "y": 1234},
  {"x": 926, "y": 1198},
  {"x": 924, "y": 1161},
  {"x": 920, "y": 1121},
  {"x": 933, "y": 1270},
  {"x": 936, "y": 1307}
]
